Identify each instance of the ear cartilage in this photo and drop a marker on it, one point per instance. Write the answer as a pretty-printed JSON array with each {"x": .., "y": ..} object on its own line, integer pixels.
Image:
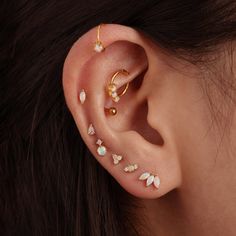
[
  {"x": 101, "y": 150},
  {"x": 116, "y": 158},
  {"x": 91, "y": 130},
  {"x": 131, "y": 168},
  {"x": 98, "y": 47},
  {"x": 82, "y": 96},
  {"x": 150, "y": 179}
]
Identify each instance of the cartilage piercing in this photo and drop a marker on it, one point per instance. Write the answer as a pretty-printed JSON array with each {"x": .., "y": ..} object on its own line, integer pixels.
[
  {"x": 101, "y": 150},
  {"x": 116, "y": 158},
  {"x": 82, "y": 96},
  {"x": 91, "y": 130},
  {"x": 112, "y": 86},
  {"x": 131, "y": 168},
  {"x": 98, "y": 46}
]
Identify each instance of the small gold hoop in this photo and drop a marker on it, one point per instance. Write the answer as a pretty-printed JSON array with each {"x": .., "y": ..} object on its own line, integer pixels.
[
  {"x": 112, "y": 88},
  {"x": 124, "y": 72},
  {"x": 98, "y": 46}
]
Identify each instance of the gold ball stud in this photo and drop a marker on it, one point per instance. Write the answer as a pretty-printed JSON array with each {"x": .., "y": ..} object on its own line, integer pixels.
[{"x": 112, "y": 111}]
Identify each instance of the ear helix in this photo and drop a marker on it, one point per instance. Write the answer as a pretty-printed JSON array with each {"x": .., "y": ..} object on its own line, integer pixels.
[{"x": 117, "y": 159}]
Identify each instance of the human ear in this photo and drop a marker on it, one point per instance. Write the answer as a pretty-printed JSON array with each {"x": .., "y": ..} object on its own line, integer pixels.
[{"x": 145, "y": 161}]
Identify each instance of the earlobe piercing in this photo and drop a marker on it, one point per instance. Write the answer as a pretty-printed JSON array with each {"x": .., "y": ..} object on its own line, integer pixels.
[
  {"x": 112, "y": 87},
  {"x": 98, "y": 47},
  {"x": 101, "y": 150},
  {"x": 91, "y": 130},
  {"x": 150, "y": 179},
  {"x": 116, "y": 158},
  {"x": 131, "y": 168},
  {"x": 82, "y": 96}
]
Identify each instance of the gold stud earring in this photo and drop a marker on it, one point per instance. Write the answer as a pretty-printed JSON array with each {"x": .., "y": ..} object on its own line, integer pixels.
[{"x": 98, "y": 46}]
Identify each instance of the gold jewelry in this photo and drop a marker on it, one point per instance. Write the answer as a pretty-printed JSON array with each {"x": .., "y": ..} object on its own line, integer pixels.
[
  {"x": 116, "y": 158},
  {"x": 98, "y": 46},
  {"x": 112, "y": 87},
  {"x": 131, "y": 168},
  {"x": 150, "y": 179},
  {"x": 112, "y": 111},
  {"x": 101, "y": 150}
]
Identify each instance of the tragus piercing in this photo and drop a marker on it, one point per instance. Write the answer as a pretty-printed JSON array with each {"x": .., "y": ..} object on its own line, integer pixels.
[
  {"x": 131, "y": 168},
  {"x": 101, "y": 150},
  {"x": 150, "y": 179},
  {"x": 98, "y": 46}
]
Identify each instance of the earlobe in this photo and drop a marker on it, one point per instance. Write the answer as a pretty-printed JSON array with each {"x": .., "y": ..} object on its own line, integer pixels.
[{"x": 106, "y": 89}]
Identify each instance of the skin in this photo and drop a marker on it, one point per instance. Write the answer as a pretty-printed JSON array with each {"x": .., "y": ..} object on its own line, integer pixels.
[{"x": 164, "y": 124}]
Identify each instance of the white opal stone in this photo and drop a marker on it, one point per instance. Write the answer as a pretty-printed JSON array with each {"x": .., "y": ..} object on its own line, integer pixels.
[
  {"x": 157, "y": 182},
  {"x": 91, "y": 130},
  {"x": 101, "y": 151},
  {"x": 114, "y": 94},
  {"x": 144, "y": 176},
  {"x": 150, "y": 180},
  {"x": 117, "y": 99},
  {"x": 82, "y": 96},
  {"x": 98, "y": 47}
]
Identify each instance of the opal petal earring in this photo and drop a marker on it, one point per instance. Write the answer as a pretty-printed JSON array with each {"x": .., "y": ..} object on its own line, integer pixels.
[{"x": 150, "y": 179}]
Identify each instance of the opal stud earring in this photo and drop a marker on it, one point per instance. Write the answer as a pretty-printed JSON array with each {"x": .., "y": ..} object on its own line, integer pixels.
[
  {"x": 82, "y": 96},
  {"x": 98, "y": 46},
  {"x": 101, "y": 150},
  {"x": 131, "y": 168},
  {"x": 150, "y": 179}
]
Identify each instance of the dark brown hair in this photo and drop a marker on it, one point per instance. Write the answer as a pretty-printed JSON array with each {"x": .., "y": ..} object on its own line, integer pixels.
[{"x": 49, "y": 182}]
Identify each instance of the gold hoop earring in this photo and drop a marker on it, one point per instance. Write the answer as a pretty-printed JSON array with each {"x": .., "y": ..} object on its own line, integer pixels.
[
  {"x": 98, "y": 46},
  {"x": 112, "y": 87}
]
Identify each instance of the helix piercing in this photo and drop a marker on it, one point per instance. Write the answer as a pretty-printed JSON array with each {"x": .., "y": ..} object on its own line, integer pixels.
[
  {"x": 82, "y": 96},
  {"x": 112, "y": 87},
  {"x": 150, "y": 179},
  {"x": 98, "y": 46},
  {"x": 91, "y": 130}
]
